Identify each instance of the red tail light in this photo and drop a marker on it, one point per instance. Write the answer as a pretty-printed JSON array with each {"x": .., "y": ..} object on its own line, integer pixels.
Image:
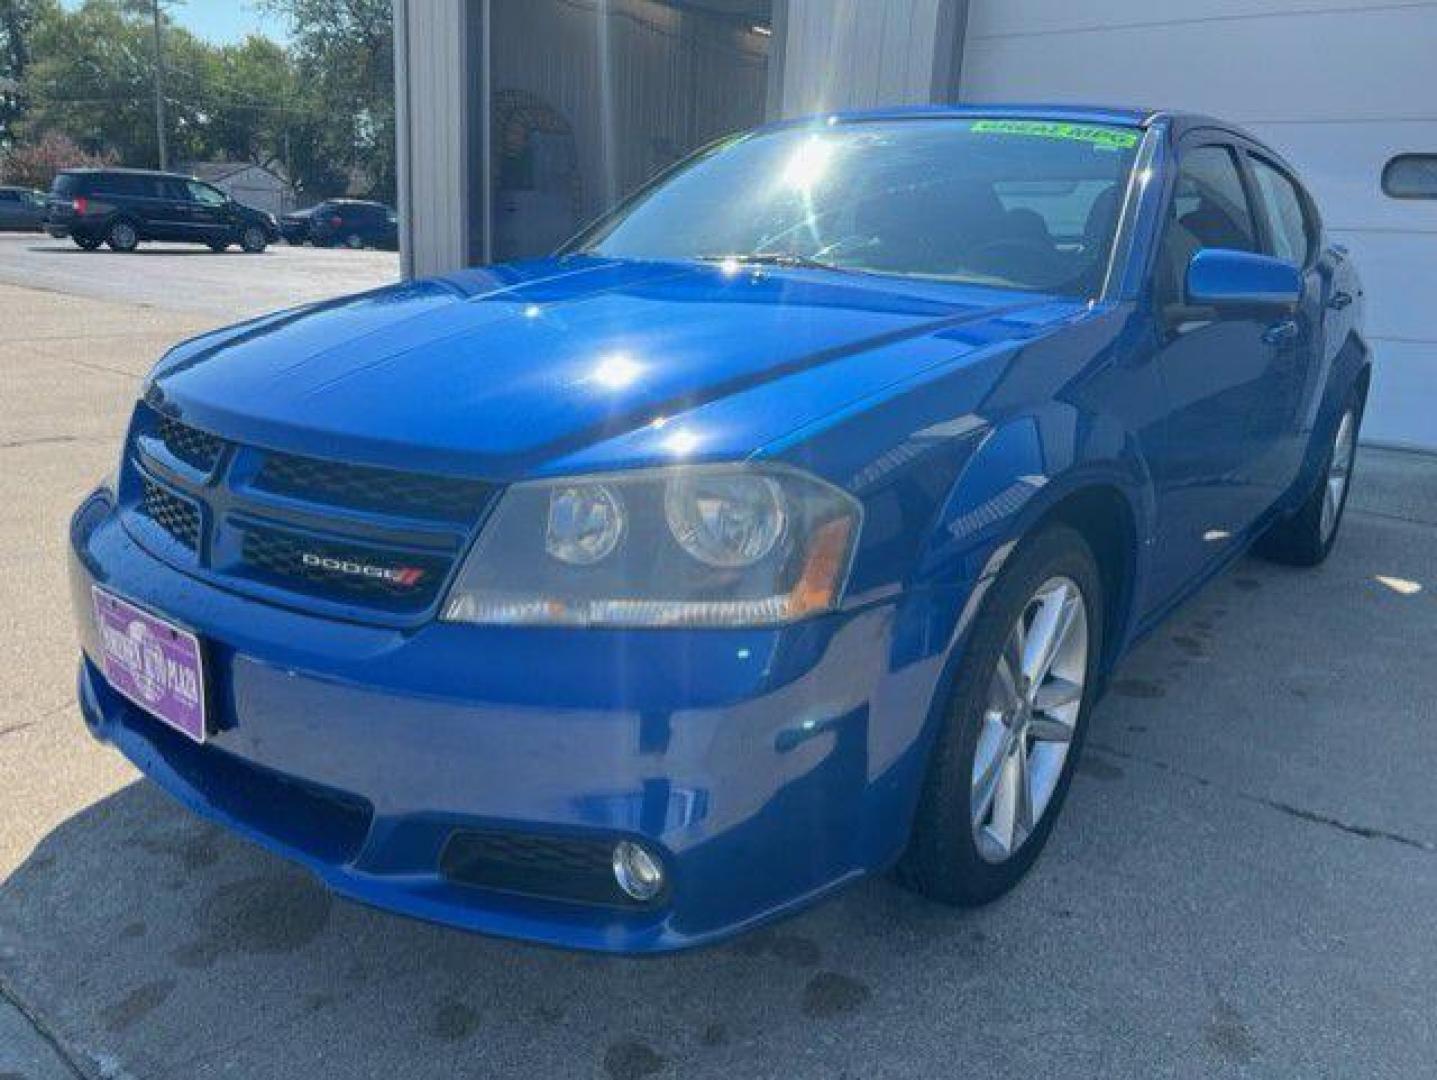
[
  {"x": 81, "y": 204},
  {"x": 336, "y": 222}
]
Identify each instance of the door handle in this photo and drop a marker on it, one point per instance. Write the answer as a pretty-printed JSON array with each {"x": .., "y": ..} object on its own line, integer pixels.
[
  {"x": 1339, "y": 300},
  {"x": 1280, "y": 333}
]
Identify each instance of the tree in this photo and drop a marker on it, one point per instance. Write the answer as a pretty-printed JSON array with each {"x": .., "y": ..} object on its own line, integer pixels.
[
  {"x": 34, "y": 164},
  {"x": 343, "y": 53},
  {"x": 323, "y": 107},
  {"x": 17, "y": 24}
]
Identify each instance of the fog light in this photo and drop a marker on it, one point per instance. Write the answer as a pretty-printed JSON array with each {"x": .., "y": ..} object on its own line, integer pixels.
[{"x": 637, "y": 872}]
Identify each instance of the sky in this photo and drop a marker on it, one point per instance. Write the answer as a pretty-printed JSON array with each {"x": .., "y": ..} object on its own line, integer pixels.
[{"x": 220, "y": 21}]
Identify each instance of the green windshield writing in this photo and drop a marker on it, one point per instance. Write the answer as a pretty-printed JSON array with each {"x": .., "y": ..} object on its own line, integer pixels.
[{"x": 1112, "y": 138}]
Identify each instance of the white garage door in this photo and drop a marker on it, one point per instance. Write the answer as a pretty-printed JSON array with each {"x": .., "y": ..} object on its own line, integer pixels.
[{"x": 1338, "y": 87}]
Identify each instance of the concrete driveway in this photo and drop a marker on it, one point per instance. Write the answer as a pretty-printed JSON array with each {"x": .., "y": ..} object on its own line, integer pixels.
[
  {"x": 188, "y": 277},
  {"x": 1244, "y": 882}
]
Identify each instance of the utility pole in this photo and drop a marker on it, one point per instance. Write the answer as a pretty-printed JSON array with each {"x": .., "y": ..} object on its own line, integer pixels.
[{"x": 159, "y": 89}]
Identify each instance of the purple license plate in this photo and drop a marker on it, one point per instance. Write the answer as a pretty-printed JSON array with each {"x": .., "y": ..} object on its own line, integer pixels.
[{"x": 154, "y": 664}]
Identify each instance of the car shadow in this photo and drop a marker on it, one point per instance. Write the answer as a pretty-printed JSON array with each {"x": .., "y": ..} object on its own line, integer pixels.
[{"x": 150, "y": 937}]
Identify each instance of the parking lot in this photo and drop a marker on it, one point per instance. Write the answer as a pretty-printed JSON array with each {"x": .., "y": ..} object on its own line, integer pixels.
[
  {"x": 1243, "y": 884},
  {"x": 191, "y": 278}
]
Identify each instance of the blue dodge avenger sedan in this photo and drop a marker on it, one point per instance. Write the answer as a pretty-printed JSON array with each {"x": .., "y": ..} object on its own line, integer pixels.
[{"x": 780, "y": 530}]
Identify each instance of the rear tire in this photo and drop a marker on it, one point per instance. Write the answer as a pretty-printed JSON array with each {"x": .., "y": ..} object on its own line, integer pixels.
[
  {"x": 1014, "y": 728},
  {"x": 87, "y": 243},
  {"x": 1307, "y": 537},
  {"x": 123, "y": 236},
  {"x": 354, "y": 242},
  {"x": 219, "y": 247}
]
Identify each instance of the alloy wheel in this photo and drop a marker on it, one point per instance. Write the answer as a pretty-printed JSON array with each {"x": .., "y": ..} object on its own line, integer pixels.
[
  {"x": 1034, "y": 699},
  {"x": 1339, "y": 471},
  {"x": 123, "y": 236}
]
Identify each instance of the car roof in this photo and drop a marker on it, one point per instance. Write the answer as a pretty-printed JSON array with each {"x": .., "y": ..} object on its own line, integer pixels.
[
  {"x": 119, "y": 171},
  {"x": 1078, "y": 114},
  {"x": 1121, "y": 116},
  {"x": 1177, "y": 121}
]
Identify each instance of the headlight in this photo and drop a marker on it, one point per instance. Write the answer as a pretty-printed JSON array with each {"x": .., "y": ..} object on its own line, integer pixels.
[{"x": 699, "y": 546}]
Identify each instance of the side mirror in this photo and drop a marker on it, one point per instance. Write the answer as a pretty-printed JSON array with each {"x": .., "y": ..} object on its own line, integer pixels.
[{"x": 1218, "y": 277}]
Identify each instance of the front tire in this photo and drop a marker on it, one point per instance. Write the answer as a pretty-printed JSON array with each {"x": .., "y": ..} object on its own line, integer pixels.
[
  {"x": 1014, "y": 728},
  {"x": 122, "y": 236},
  {"x": 1308, "y": 536},
  {"x": 253, "y": 240}
]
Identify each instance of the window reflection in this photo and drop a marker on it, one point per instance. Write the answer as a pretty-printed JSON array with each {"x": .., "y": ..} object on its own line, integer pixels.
[{"x": 588, "y": 99}]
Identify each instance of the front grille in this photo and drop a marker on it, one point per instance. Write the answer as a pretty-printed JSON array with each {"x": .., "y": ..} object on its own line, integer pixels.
[
  {"x": 342, "y": 572},
  {"x": 198, "y": 449},
  {"x": 178, "y": 517},
  {"x": 384, "y": 491},
  {"x": 577, "y": 870},
  {"x": 260, "y": 520}
]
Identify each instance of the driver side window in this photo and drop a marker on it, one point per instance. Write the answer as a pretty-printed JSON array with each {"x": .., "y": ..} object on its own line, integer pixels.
[
  {"x": 1209, "y": 209},
  {"x": 204, "y": 194}
]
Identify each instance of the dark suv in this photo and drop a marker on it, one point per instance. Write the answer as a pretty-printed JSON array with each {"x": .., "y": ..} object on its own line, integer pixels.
[
  {"x": 123, "y": 207},
  {"x": 354, "y": 223}
]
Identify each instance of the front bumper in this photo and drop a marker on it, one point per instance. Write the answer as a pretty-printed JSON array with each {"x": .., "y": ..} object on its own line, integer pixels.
[{"x": 765, "y": 768}]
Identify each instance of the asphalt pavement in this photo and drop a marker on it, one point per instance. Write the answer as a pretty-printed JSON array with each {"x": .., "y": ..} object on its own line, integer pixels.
[{"x": 1244, "y": 882}]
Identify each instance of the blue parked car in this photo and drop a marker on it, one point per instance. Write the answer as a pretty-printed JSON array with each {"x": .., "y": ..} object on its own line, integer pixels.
[{"x": 781, "y": 530}]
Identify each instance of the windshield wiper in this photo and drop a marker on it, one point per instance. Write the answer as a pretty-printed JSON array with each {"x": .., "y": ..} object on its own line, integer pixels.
[{"x": 774, "y": 258}]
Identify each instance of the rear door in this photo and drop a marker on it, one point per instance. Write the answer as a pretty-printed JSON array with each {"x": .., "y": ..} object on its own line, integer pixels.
[{"x": 1214, "y": 365}]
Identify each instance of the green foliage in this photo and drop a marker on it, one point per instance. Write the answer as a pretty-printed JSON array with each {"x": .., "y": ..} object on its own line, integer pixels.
[
  {"x": 17, "y": 24},
  {"x": 321, "y": 109},
  {"x": 343, "y": 51}
]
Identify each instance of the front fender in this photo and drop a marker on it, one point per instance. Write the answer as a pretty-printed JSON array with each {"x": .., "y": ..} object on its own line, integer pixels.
[{"x": 1019, "y": 474}]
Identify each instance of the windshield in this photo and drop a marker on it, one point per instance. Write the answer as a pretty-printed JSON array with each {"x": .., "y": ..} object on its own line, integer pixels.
[{"x": 1023, "y": 204}]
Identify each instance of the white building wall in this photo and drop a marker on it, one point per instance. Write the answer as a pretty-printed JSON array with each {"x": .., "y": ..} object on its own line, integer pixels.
[
  {"x": 432, "y": 99},
  {"x": 1338, "y": 86},
  {"x": 854, "y": 54}
]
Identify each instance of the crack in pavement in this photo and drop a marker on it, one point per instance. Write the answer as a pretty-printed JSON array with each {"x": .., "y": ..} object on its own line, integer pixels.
[
  {"x": 72, "y": 1060},
  {"x": 1314, "y": 817},
  {"x": 52, "y": 440}
]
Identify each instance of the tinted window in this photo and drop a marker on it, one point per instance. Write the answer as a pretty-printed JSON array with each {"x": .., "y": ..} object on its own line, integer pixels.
[
  {"x": 1411, "y": 176},
  {"x": 1024, "y": 204},
  {"x": 9, "y": 196},
  {"x": 67, "y": 184},
  {"x": 127, "y": 184},
  {"x": 1291, "y": 237},
  {"x": 1210, "y": 203},
  {"x": 204, "y": 194},
  {"x": 1209, "y": 210}
]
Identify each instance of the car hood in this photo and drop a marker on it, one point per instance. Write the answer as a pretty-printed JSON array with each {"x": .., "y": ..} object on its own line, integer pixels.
[{"x": 512, "y": 370}]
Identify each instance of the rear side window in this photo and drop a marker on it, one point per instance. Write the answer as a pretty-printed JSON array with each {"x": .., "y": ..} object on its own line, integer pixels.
[
  {"x": 9, "y": 196},
  {"x": 67, "y": 184},
  {"x": 1411, "y": 176},
  {"x": 129, "y": 185},
  {"x": 1291, "y": 231}
]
